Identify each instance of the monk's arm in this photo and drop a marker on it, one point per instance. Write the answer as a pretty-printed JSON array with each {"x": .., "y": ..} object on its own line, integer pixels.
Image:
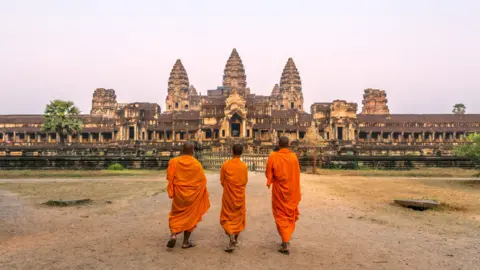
[
  {"x": 269, "y": 171},
  {"x": 170, "y": 176},
  {"x": 222, "y": 174},
  {"x": 246, "y": 172}
]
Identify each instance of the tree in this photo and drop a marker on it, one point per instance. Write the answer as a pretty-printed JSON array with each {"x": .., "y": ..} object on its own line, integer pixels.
[
  {"x": 471, "y": 150},
  {"x": 62, "y": 117},
  {"x": 459, "y": 108}
]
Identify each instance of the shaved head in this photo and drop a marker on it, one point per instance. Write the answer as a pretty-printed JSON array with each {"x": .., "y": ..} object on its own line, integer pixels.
[
  {"x": 237, "y": 149},
  {"x": 283, "y": 142},
  {"x": 187, "y": 148}
]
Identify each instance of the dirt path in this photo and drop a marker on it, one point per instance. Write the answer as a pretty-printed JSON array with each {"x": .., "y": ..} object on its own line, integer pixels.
[{"x": 132, "y": 235}]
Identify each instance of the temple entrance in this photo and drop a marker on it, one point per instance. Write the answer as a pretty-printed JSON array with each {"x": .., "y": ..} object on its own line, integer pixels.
[
  {"x": 340, "y": 133},
  {"x": 131, "y": 133},
  {"x": 235, "y": 125}
]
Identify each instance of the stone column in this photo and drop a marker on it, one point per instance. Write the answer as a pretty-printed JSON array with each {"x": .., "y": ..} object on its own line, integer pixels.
[{"x": 244, "y": 128}]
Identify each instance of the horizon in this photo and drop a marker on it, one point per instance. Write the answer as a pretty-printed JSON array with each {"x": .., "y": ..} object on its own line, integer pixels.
[{"x": 423, "y": 54}]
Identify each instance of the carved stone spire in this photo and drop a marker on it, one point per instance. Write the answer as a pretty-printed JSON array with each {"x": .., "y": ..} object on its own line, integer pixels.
[
  {"x": 275, "y": 90},
  {"x": 104, "y": 102},
  {"x": 234, "y": 73},
  {"x": 375, "y": 102},
  {"x": 178, "y": 80},
  {"x": 192, "y": 91},
  {"x": 290, "y": 77}
]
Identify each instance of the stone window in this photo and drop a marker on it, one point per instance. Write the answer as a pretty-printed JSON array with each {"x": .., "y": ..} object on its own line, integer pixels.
[
  {"x": 186, "y": 107},
  {"x": 223, "y": 133},
  {"x": 176, "y": 105},
  {"x": 248, "y": 133},
  {"x": 292, "y": 105},
  {"x": 208, "y": 134}
]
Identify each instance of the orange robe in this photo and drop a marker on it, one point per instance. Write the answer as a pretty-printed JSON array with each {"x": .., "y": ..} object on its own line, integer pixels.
[
  {"x": 283, "y": 173},
  {"x": 234, "y": 178},
  {"x": 187, "y": 186}
]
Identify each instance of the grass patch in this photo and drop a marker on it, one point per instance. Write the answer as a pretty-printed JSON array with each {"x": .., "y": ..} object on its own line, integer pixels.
[
  {"x": 97, "y": 191},
  {"x": 115, "y": 167},
  {"x": 420, "y": 172},
  {"x": 68, "y": 203},
  {"x": 17, "y": 174}
]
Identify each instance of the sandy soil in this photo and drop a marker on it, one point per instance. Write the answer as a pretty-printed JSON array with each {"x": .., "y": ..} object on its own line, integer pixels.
[{"x": 332, "y": 233}]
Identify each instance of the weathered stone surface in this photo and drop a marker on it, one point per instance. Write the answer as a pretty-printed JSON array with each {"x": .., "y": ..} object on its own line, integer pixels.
[
  {"x": 417, "y": 204},
  {"x": 178, "y": 80},
  {"x": 375, "y": 102},
  {"x": 275, "y": 90},
  {"x": 104, "y": 102},
  {"x": 179, "y": 89},
  {"x": 290, "y": 77},
  {"x": 234, "y": 73}
]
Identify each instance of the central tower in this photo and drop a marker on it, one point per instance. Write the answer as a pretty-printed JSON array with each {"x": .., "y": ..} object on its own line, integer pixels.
[{"x": 234, "y": 74}]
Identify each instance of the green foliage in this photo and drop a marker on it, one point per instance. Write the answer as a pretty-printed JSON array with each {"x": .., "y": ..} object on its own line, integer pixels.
[
  {"x": 62, "y": 117},
  {"x": 459, "y": 108},
  {"x": 471, "y": 150},
  {"x": 116, "y": 167}
]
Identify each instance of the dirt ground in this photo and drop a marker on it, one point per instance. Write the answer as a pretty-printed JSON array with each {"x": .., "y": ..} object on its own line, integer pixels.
[{"x": 345, "y": 223}]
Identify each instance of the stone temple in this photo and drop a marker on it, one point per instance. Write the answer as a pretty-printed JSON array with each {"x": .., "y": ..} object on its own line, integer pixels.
[{"x": 232, "y": 112}]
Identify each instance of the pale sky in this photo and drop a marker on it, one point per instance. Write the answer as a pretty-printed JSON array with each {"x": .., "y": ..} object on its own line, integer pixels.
[{"x": 424, "y": 53}]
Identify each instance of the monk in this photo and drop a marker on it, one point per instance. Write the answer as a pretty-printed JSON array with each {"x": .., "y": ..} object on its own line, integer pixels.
[
  {"x": 187, "y": 187},
  {"x": 283, "y": 173},
  {"x": 234, "y": 178}
]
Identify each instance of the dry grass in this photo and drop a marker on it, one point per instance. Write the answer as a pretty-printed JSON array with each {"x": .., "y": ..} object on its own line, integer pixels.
[
  {"x": 420, "y": 172},
  {"x": 17, "y": 174},
  {"x": 373, "y": 198},
  {"x": 99, "y": 191}
]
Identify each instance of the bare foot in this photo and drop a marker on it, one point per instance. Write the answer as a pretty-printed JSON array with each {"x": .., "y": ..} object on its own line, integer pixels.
[
  {"x": 172, "y": 241},
  {"x": 189, "y": 244},
  {"x": 284, "y": 249}
]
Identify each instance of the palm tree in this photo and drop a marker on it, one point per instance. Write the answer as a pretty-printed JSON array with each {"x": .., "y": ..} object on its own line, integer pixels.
[
  {"x": 62, "y": 117},
  {"x": 459, "y": 108}
]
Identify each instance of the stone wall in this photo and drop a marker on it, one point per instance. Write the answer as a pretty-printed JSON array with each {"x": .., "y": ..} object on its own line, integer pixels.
[{"x": 81, "y": 163}]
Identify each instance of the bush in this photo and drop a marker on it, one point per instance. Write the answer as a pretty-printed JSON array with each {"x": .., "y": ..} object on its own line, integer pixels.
[{"x": 116, "y": 167}]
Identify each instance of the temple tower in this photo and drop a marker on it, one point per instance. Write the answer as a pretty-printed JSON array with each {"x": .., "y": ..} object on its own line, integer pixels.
[
  {"x": 290, "y": 77},
  {"x": 290, "y": 92},
  {"x": 375, "y": 102},
  {"x": 104, "y": 102},
  {"x": 275, "y": 90},
  {"x": 178, "y": 89},
  {"x": 234, "y": 74}
]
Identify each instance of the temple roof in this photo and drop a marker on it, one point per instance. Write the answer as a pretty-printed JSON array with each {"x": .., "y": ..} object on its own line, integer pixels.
[
  {"x": 284, "y": 113},
  {"x": 290, "y": 77},
  {"x": 234, "y": 72},
  {"x": 420, "y": 118},
  {"x": 214, "y": 101},
  {"x": 178, "y": 80},
  {"x": 186, "y": 115}
]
